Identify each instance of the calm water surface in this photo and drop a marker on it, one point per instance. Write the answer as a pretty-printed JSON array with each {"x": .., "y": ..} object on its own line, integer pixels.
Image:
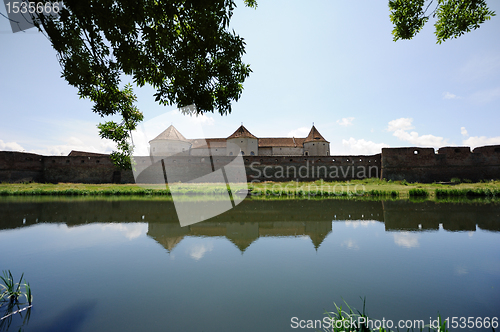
[{"x": 127, "y": 265}]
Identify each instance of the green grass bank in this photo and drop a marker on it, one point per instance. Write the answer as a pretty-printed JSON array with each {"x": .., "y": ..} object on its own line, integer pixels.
[{"x": 359, "y": 188}]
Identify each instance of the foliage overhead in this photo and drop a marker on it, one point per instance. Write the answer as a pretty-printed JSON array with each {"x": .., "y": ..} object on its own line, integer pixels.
[
  {"x": 184, "y": 49},
  {"x": 454, "y": 17}
]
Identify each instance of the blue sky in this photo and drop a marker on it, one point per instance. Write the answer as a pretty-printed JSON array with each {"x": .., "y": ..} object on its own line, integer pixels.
[{"x": 329, "y": 62}]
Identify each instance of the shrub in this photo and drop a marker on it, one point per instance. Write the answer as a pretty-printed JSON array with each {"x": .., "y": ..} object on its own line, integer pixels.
[{"x": 418, "y": 192}]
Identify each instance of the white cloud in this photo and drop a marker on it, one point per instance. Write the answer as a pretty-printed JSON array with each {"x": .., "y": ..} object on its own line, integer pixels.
[
  {"x": 400, "y": 124},
  {"x": 362, "y": 146},
  {"x": 463, "y": 131},
  {"x": 83, "y": 142},
  {"x": 400, "y": 128},
  {"x": 300, "y": 132},
  {"x": 10, "y": 146},
  {"x": 449, "y": 95},
  {"x": 201, "y": 119},
  {"x": 198, "y": 251},
  {"x": 476, "y": 141},
  {"x": 406, "y": 239},
  {"x": 345, "y": 121}
]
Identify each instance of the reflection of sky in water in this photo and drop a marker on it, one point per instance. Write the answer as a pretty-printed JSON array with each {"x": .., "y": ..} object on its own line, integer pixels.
[
  {"x": 406, "y": 239},
  {"x": 197, "y": 251},
  {"x": 253, "y": 275}
]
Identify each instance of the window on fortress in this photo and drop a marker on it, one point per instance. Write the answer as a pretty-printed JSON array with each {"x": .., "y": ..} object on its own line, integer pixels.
[
  {"x": 306, "y": 153},
  {"x": 230, "y": 153},
  {"x": 252, "y": 153}
]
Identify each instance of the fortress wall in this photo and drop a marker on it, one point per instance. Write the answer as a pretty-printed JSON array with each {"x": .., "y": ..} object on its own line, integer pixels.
[
  {"x": 26, "y": 167},
  {"x": 412, "y": 164},
  {"x": 78, "y": 169},
  {"x": 286, "y": 151},
  {"x": 309, "y": 168},
  {"x": 83, "y": 169},
  {"x": 424, "y": 165},
  {"x": 20, "y": 167},
  {"x": 266, "y": 168}
]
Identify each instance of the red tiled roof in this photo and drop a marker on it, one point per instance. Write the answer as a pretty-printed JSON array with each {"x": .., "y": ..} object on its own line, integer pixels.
[
  {"x": 280, "y": 141},
  {"x": 314, "y": 136},
  {"x": 242, "y": 132}
]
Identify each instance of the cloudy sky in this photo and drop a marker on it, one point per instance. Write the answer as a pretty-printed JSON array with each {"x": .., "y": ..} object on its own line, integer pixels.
[{"x": 329, "y": 62}]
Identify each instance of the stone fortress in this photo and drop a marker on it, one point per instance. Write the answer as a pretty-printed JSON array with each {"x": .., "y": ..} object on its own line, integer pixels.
[
  {"x": 265, "y": 159},
  {"x": 172, "y": 142}
]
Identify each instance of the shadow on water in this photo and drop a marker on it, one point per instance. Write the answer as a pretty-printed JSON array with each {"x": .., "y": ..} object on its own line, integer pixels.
[{"x": 71, "y": 319}]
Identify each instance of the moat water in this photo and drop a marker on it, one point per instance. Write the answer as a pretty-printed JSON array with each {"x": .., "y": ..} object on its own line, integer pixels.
[{"x": 127, "y": 265}]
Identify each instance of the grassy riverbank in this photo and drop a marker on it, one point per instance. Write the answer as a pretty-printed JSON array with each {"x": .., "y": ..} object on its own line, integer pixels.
[{"x": 365, "y": 188}]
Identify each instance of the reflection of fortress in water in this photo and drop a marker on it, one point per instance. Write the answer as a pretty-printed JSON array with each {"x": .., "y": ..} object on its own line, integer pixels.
[{"x": 251, "y": 220}]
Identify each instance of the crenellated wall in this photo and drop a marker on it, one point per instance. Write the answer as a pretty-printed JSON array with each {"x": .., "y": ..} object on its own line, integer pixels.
[
  {"x": 412, "y": 164},
  {"x": 424, "y": 165},
  {"x": 20, "y": 167},
  {"x": 25, "y": 167}
]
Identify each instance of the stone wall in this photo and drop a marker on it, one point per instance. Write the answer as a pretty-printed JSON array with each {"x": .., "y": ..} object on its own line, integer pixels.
[
  {"x": 20, "y": 167},
  {"x": 309, "y": 168},
  {"x": 83, "y": 169},
  {"x": 26, "y": 167},
  {"x": 412, "y": 164},
  {"x": 262, "y": 168},
  {"x": 415, "y": 164}
]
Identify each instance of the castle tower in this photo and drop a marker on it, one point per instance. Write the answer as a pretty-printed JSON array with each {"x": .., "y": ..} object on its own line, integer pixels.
[
  {"x": 242, "y": 140},
  {"x": 315, "y": 144},
  {"x": 168, "y": 143}
]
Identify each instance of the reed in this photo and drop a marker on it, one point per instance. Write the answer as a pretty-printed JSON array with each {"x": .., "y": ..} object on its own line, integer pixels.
[
  {"x": 353, "y": 320},
  {"x": 10, "y": 304},
  {"x": 417, "y": 192},
  {"x": 480, "y": 192}
]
